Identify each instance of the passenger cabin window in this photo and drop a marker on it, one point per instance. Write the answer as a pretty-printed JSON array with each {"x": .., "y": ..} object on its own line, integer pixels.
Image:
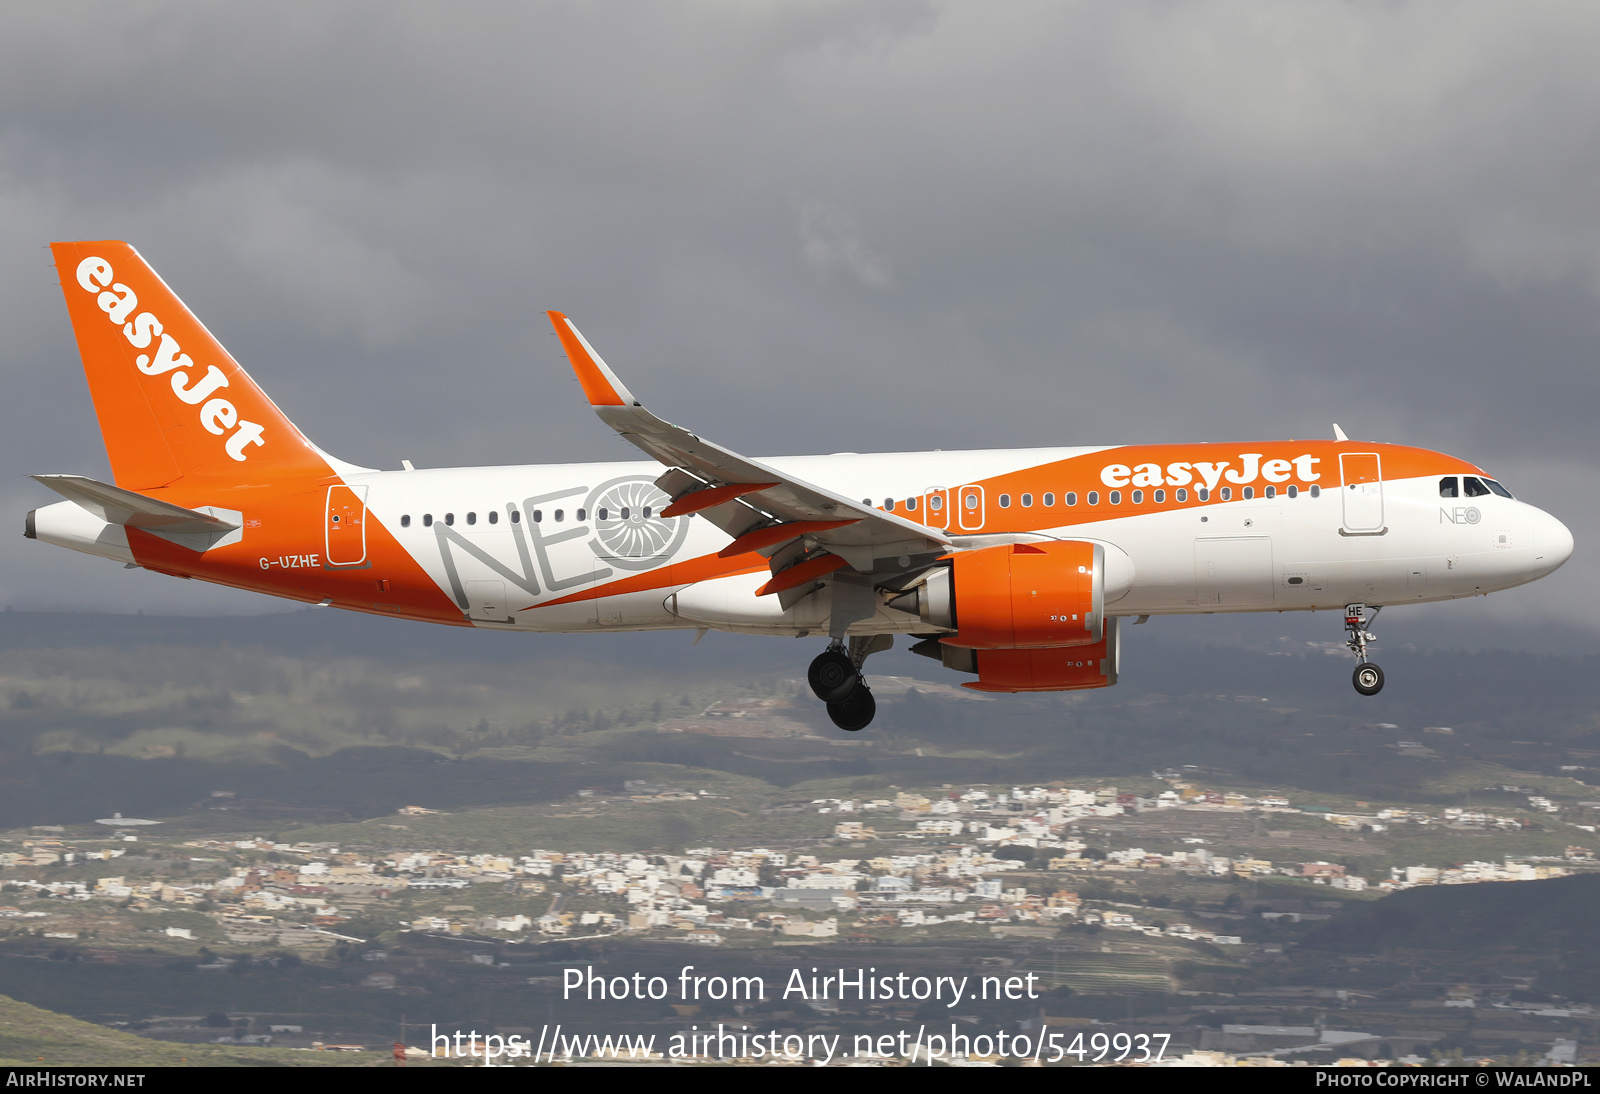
[
  {"x": 450, "y": 519},
  {"x": 1449, "y": 487},
  {"x": 494, "y": 517},
  {"x": 1161, "y": 496},
  {"x": 516, "y": 517},
  {"x": 1005, "y": 501},
  {"x": 1272, "y": 492},
  {"x": 1094, "y": 497},
  {"x": 1115, "y": 497},
  {"x": 1294, "y": 491},
  {"x": 1475, "y": 488},
  {"x": 1181, "y": 494},
  {"x": 1049, "y": 499},
  {"x": 472, "y": 518},
  {"x": 581, "y": 515},
  {"x": 936, "y": 503},
  {"x": 1316, "y": 491},
  {"x": 888, "y": 504},
  {"x": 1203, "y": 494},
  {"x": 1071, "y": 497},
  {"x": 1227, "y": 493},
  {"x": 1027, "y": 501},
  {"x": 538, "y": 515},
  {"x": 601, "y": 513},
  {"x": 427, "y": 520},
  {"x": 911, "y": 505},
  {"x": 405, "y": 521},
  {"x": 560, "y": 515},
  {"x": 1138, "y": 497},
  {"x": 1249, "y": 492}
]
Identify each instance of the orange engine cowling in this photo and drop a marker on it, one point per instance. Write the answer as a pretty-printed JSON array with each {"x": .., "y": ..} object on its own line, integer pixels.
[
  {"x": 1016, "y": 596},
  {"x": 1069, "y": 668}
]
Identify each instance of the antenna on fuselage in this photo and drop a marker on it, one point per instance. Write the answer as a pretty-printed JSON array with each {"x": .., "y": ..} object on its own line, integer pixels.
[{"x": 1338, "y": 434}]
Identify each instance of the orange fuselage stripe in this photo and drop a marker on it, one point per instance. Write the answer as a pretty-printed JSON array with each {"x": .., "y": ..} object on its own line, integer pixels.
[
  {"x": 1080, "y": 475},
  {"x": 282, "y": 553}
]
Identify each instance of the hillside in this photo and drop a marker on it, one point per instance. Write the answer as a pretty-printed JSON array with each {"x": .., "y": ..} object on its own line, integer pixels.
[
  {"x": 30, "y": 1036},
  {"x": 1548, "y": 925}
]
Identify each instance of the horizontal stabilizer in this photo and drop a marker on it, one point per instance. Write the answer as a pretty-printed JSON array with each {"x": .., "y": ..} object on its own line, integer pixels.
[{"x": 115, "y": 505}]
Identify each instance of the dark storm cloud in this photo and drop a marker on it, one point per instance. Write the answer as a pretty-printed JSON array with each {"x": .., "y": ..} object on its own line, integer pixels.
[{"x": 828, "y": 226}]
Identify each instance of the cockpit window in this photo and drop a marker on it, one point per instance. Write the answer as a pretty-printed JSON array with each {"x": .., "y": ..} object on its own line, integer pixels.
[
  {"x": 1449, "y": 487},
  {"x": 1497, "y": 488},
  {"x": 1475, "y": 487}
]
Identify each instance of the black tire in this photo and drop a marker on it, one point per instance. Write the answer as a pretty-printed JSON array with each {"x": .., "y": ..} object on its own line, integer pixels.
[
  {"x": 833, "y": 676},
  {"x": 1368, "y": 679},
  {"x": 856, "y": 712}
]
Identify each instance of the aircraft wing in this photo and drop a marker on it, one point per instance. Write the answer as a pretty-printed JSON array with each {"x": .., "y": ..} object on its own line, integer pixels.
[{"x": 764, "y": 509}]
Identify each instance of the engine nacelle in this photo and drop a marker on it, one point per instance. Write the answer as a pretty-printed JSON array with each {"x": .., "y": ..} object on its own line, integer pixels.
[
  {"x": 1016, "y": 596},
  {"x": 1071, "y": 668}
]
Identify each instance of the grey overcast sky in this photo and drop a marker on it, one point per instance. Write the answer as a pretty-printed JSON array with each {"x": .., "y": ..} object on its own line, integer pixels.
[{"x": 825, "y": 226}]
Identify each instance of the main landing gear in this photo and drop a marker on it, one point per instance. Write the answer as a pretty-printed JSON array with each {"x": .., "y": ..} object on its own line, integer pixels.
[
  {"x": 835, "y": 678},
  {"x": 1368, "y": 678}
]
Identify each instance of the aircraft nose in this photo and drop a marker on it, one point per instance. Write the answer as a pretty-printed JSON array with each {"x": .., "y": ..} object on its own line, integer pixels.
[{"x": 1552, "y": 542}]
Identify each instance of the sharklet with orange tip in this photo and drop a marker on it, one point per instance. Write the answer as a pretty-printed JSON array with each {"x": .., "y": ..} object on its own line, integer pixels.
[
  {"x": 778, "y": 533},
  {"x": 600, "y": 384},
  {"x": 715, "y": 495},
  {"x": 802, "y": 572}
]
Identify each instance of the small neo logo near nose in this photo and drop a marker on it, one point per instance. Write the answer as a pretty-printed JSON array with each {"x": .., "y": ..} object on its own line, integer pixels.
[{"x": 1461, "y": 514}]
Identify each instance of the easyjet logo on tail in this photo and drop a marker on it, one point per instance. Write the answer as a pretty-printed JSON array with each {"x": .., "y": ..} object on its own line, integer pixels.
[{"x": 218, "y": 416}]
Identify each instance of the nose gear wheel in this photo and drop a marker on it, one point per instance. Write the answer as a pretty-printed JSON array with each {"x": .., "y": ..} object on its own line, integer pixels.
[{"x": 1368, "y": 679}]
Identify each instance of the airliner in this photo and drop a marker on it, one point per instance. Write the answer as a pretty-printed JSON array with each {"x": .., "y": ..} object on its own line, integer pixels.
[{"x": 1014, "y": 566}]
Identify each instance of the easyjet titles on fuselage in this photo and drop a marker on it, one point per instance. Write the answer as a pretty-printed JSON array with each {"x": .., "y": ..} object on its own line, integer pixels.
[{"x": 1209, "y": 474}]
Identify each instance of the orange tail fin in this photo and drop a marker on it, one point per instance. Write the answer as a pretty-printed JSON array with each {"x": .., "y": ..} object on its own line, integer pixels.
[{"x": 172, "y": 403}]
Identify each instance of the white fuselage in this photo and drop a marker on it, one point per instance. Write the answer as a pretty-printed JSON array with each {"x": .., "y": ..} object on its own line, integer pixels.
[{"x": 1257, "y": 555}]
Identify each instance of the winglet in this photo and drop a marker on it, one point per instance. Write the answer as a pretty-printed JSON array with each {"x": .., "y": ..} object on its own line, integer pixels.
[
  {"x": 1338, "y": 434},
  {"x": 600, "y": 384}
]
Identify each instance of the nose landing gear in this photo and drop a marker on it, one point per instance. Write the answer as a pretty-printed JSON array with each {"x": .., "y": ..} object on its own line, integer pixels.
[
  {"x": 835, "y": 678},
  {"x": 1368, "y": 678}
]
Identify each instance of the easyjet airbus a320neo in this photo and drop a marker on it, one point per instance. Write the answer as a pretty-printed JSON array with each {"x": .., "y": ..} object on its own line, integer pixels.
[{"x": 1014, "y": 566}]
